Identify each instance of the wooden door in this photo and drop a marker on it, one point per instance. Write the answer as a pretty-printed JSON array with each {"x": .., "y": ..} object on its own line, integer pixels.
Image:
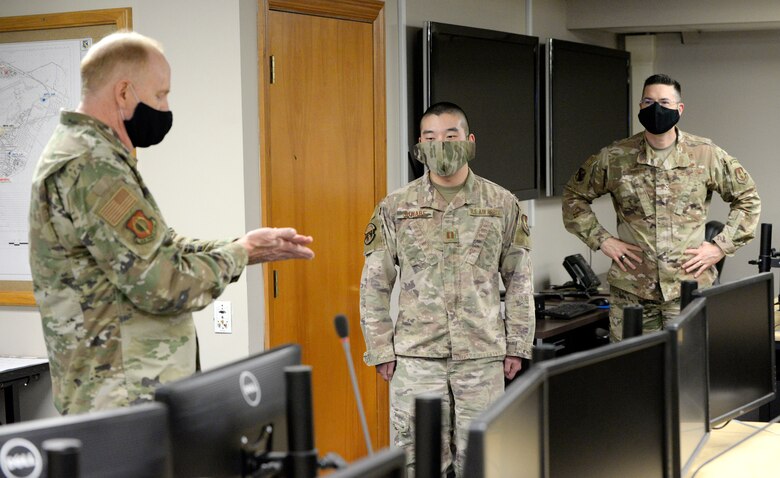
[{"x": 323, "y": 172}]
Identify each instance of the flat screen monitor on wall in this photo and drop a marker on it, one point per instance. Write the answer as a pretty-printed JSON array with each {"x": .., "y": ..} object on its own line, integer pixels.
[
  {"x": 493, "y": 76},
  {"x": 690, "y": 401},
  {"x": 740, "y": 325},
  {"x": 609, "y": 411},
  {"x": 587, "y": 106}
]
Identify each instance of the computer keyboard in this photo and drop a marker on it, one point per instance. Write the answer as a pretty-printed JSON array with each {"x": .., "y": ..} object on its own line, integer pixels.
[{"x": 569, "y": 310}]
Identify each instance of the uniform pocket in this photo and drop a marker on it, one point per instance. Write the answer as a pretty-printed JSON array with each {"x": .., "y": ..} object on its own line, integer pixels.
[
  {"x": 413, "y": 250},
  {"x": 485, "y": 250},
  {"x": 403, "y": 425}
]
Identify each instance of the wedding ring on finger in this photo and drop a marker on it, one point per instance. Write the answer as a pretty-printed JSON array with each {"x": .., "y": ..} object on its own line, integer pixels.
[{"x": 623, "y": 257}]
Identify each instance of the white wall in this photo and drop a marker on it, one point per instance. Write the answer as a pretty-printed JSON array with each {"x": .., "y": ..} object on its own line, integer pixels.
[{"x": 673, "y": 15}]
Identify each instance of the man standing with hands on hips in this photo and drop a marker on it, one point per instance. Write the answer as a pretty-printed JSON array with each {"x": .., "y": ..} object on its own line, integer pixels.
[
  {"x": 661, "y": 181},
  {"x": 452, "y": 235}
]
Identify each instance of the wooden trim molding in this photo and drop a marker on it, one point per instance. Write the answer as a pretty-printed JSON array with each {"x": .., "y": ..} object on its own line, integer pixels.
[
  {"x": 121, "y": 17},
  {"x": 357, "y": 10}
]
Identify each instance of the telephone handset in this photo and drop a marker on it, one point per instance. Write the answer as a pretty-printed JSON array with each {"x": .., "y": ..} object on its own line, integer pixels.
[{"x": 580, "y": 272}]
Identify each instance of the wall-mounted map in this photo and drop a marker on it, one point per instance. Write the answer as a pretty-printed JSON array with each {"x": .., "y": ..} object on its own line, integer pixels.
[{"x": 37, "y": 80}]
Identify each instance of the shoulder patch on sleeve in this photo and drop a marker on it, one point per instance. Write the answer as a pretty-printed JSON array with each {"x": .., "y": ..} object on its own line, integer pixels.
[
  {"x": 740, "y": 175},
  {"x": 135, "y": 223},
  {"x": 373, "y": 238},
  {"x": 522, "y": 233},
  {"x": 117, "y": 207}
]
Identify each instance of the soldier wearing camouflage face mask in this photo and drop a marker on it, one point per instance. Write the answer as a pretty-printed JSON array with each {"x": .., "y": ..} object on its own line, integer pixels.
[
  {"x": 452, "y": 235},
  {"x": 661, "y": 182}
]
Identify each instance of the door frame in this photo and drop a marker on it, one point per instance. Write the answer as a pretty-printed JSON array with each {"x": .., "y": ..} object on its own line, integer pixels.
[{"x": 366, "y": 11}]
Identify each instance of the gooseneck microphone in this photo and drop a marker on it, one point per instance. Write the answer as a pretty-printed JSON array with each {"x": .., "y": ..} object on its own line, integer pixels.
[{"x": 342, "y": 329}]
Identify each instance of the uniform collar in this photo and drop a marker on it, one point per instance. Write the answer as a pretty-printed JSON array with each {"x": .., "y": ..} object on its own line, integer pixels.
[
  {"x": 73, "y": 118},
  {"x": 429, "y": 197},
  {"x": 678, "y": 158}
]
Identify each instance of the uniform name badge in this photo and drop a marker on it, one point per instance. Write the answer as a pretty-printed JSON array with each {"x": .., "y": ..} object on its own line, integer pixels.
[{"x": 414, "y": 214}]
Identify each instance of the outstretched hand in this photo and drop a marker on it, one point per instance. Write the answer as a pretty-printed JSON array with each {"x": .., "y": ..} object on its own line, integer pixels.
[{"x": 269, "y": 244}]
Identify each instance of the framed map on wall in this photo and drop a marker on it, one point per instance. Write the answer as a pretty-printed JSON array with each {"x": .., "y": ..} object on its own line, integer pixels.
[{"x": 39, "y": 76}]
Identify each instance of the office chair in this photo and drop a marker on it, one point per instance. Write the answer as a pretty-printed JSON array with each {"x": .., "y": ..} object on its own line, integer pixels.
[{"x": 712, "y": 229}]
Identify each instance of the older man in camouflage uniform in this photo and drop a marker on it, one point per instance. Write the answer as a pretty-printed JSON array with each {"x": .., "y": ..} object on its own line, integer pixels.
[
  {"x": 451, "y": 234},
  {"x": 661, "y": 182},
  {"x": 114, "y": 284}
]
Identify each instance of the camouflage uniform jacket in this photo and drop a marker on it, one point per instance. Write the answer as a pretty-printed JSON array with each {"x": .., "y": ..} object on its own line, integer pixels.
[
  {"x": 114, "y": 285},
  {"x": 450, "y": 257},
  {"x": 661, "y": 207}
]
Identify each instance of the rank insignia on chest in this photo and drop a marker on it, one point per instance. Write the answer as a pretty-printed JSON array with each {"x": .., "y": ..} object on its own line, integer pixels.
[
  {"x": 450, "y": 236},
  {"x": 580, "y": 175},
  {"x": 141, "y": 226}
]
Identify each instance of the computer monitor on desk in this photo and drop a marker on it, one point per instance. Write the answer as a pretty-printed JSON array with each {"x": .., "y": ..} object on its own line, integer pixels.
[
  {"x": 218, "y": 415},
  {"x": 690, "y": 382},
  {"x": 388, "y": 463},
  {"x": 740, "y": 324},
  {"x": 128, "y": 442},
  {"x": 508, "y": 439},
  {"x": 609, "y": 412}
]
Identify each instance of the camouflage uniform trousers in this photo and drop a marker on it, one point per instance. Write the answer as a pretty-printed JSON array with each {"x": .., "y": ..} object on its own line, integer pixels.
[
  {"x": 467, "y": 387},
  {"x": 655, "y": 315}
]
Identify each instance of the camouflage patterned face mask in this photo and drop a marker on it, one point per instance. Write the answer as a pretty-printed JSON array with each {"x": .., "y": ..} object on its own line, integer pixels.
[{"x": 445, "y": 158}]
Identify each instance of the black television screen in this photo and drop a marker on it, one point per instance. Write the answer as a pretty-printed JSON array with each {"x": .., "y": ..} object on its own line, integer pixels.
[
  {"x": 740, "y": 325},
  {"x": 214, "y": 415},
  {"x": 387, "y": 463},
  {"x": 510, "y": 434},
  {"x": 690, "y": 382},
  {"x": 130, "y": 442},
  {"x": 493, "y": 76},
  {"x": 587, "y": 105},
  {"x": 608, "y": 410}
]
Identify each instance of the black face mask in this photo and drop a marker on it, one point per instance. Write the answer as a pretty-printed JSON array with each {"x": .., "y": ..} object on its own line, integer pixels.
[
  {"x": 148, "y": 126},
  {"x": 657, "y": 120}
]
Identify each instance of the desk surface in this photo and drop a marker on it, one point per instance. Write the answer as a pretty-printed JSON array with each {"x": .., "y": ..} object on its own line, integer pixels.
[
  {"x": 12, "y": 368},
  {"x": 755, "y": 458},
  {"x": 549, "y": 327}
]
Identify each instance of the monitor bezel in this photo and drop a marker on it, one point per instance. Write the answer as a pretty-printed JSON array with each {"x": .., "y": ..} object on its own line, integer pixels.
[
  {"x": 431, "y": 28},
  {"x": 379, "y": 465},
  {"x": 102, "y": 440},
  {"x": 768, "y": 279},
  {"x": 589, "y": 357},
  {"x": 177, "y": 396},
  {"x": 695, "y": 307},
  {"x": 525, "y": 385}
]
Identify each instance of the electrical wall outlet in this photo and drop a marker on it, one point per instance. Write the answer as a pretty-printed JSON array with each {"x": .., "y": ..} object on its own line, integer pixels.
[{"x": 223, "y": 317}]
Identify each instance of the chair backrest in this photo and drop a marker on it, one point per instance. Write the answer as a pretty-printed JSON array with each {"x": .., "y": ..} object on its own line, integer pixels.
[{"x": 712, "y": 229}]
